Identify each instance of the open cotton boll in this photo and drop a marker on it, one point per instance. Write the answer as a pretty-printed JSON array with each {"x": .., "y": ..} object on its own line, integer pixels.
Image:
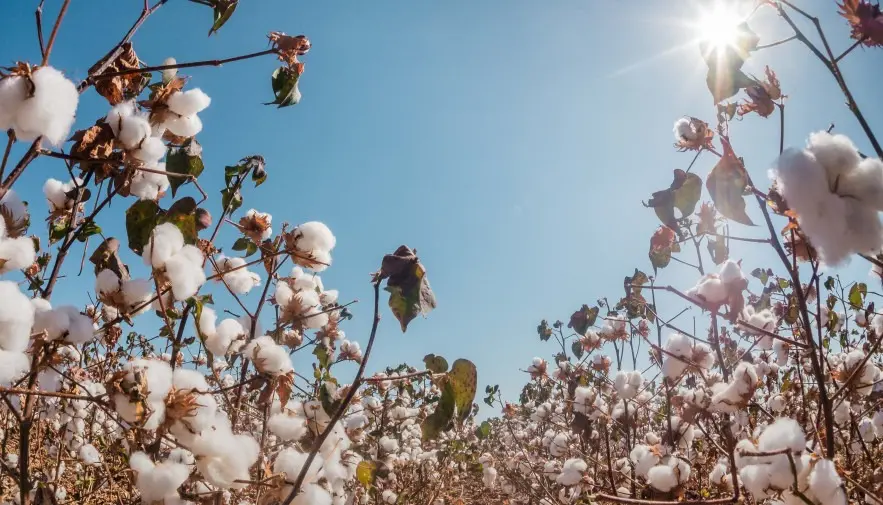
[
  {"x": 226, "y": 333},
  {"x": 241, "y": 280},
  {"x": 184, "y": 270},
  {"x": 314, "y": 494},
  {"x": 836, "y": 153},
  {"x": 15, "y": 213},
  {"x": 662, "y": 478},
  {"x": 13, "y": 92},
  {"x": 825, "y": 482},
  {"x": 50, "y": 111},
  {"x": 54, "y": 190},
  {"x": 13, "y": 364},
  {"x": 16, "y": 253},
  {"x": 185, "y": 126},
  {"x": 89, "y": 455},
  {"x": 187, "y": 103},
  {"x": 268, "y": 356},
  {"x": 572, "y": 472},
  {"x": 117, "y": 113},
  {"x": 16, "y": 318},
  {"x": 149, "y": 185},
  {"x": 132, "y": 130},
  {"x": 165, "y": 240},
  {"x": 287, "y": 426},
  {"x": 136, "y": 293},
  {"x": 156, "y": 482},
  {"x": 80, "y": 328},
  {"x": 107, "y": 282},
  {"x": 151, "y": 150}
]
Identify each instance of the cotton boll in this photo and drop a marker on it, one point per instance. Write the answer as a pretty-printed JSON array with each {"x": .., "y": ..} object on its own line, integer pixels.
[
  {"x": 314, "y": 494},
  {"x": 184, "y": 379},
  {"x": 136, "y": 292},
  {"x": 107, "y": 282},
  {"x": 683, "y": 129},
  {"x": 50, "y": 111},
  {"x": 228, "y": 331},
  {"x": 315, "y": 235},
  {"x": 731, "y": 272},
  {"x": 268, "y": 356},
  {"x": 149, "y": 185},
  {"x": 16, "y": 318},
  {"x": 132, "y": 130},
  {"x": 290, "y": 461},
  {"x": 16, "y": 253},
  {"x": 783, "y": 433},
  {"x": 80, "y": 328},
  {"x": 13, "y": 364},
  {"x": 117, "y": 113},
  {"x": 54, "y": 190},
  {"x": 836, "y": 153},
  {"x": 186, "y": 126},
  {"x": 865, "y": 182},
  {"x": 287, "y": 426},
  {"x": 156, "y": 482},
  {"x": 152, "y": 150},
  {"x": 165, "y": 240},
  {"x": 185, "y": 272},
  {"x": 13, "y": 92},
  {"x": 187, "y": 103},
  {"x": 662, "y": 478},
  {"x": 239, "y": 281},
  {"x": 89, "y": 455},
  {"x": 824, "y": 483}
]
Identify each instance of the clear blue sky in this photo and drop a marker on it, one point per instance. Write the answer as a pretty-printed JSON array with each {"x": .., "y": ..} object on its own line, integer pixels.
[{"x": 510, "y": 142}]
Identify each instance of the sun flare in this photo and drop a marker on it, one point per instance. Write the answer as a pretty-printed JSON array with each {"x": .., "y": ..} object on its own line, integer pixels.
[{"x": 718, "y": 27}]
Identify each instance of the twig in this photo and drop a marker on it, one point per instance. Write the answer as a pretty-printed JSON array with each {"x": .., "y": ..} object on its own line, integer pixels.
[
  {"x": 344, "y": 404},
  {"x": 844, "y": 53},
  {"x": 39, "y": 15},
  {"x": 203, "y": 63},
  {"x": 10, "y": 133},
  {"x": 774, "y": 44},
  {"x": 54, "y": 30}
]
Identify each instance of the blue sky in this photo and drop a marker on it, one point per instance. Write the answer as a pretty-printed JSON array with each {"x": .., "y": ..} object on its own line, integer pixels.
[{"x": 510, "y": 142}]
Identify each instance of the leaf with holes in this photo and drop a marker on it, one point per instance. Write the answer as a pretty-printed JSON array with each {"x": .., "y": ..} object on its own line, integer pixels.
[
  {"x": 408, "y": 287},
  {"x": 435, "y": 364},
  {"x": 683, "y": 194},
  {"x": 583, "y": 319},
  {"x": 463, "y": 379}
]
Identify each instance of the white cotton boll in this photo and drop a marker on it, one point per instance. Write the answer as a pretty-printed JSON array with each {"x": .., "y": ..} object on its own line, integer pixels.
[
  {"x": 287, "y": 426},
  {"x": 824, "y": 483},
  {"x": 662, "y": 478},
  {"x": 389, "y": 497},
  {"x": 290, "y": 461},
  {"x": 186, "y": 126},
  {"x": 156, "y": 482},
  {"x": 228, "y": 331},
  {"x": 783, "y": 433},
  {"x": 132, "y": 130},
  {"x": 643, "y": 459},
  {"x": 866, "y": 429},
  {"x": 185, "y": 272},
  {"x": 117, "y": 113},
  {"x": 712, "y": 290},
  {"x": 730, "y": 272},
  {"x": 54, "y": 191},
  {"x": 13, "y": 92},
  {"x": 489, "y": 477},
  {"x": 315, "y": 236},
  {"x": 89, "y": 455},
  {"x": 836, "y": 153},
  {"x": 50, "y": 111},
  {"x": 13, "y": 364},
  {"x": 315, "y": 494},
  {"x": 683, "y": 129},
  {"x": 268, "y": 356},
  {"x": 151, "y": 150},
  {"x": 137, "y": 292},
  {"x": 284, "y": 294},
  {"x": 149, "y": 185},
  {"x": 107, "y": 282},
  {"x": 165, "y": 240},
  {"x": 80, "y": 328},
  {"x": 16, "y": 318},
  {"x": 187, "y": 103},
  {"x": 184, "y": 379},
  {"x": 239, "y": 281},
  {"x": 865, "y": 182},
  {"x": 16, "y": 253},
  {"x": 776, "y": 403},
  {"x": 169, "y": 73}
]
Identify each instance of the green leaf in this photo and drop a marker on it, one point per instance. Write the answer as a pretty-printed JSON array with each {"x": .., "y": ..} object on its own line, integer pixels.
[
  {"x": 435, "y": 364},
  {"x": 223, "y": 10},
  {"x": 483, "y": 430},
  {"x": 141, "y": 219},
  {"x": 784, "y": 283},
  {"x": 321, "y": 353},
  {"x": 366, "y": 472},
  {"x": 245, "y": 244},
  {"x": 659, "y": 258},
  {"x": 230, "y": 200},
  {"x": 182, "y": 214},
  {"x": 763, "y": 275},
  {"x": 463, "y": 379},
  {"x": 727, "y": 183},
  {"x": 284, "y": 82},
  {"x": 857, "y": 295},
  {"x": 326, "y": 394},
  {"x": 184, "y": 160},
  {"x": 583, "y": 319},
  {"x": 441, "y": 418},
  {"x": 88, "y": 229},
  {"x": 57, "y": 231},
  {"x": 683, "y": 194}
]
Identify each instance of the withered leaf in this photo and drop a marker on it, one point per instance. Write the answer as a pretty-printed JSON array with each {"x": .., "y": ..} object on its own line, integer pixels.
[
  {"x": 122, "y": 87},
  {"x": 683, "y": 194},
  {"x": 727, "y": 183},
  {"x": 107, "y": 257},
  {"x": 407, "y": 284},
  {"x": 583, "y": 319}
]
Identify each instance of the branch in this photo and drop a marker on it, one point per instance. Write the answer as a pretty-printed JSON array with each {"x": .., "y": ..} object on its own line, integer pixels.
[
  {"x": 774, "y": 44},
  {"x": 10, "y": 133},
  {"x": 54, "y": 29},
  {"x": 344, "y": 405},
  {"x": 203, "y": 63},
  {"x": 39, "y": 15}
]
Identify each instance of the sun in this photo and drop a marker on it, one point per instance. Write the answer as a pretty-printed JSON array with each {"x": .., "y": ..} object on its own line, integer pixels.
[{"x": 718, "y": 27}]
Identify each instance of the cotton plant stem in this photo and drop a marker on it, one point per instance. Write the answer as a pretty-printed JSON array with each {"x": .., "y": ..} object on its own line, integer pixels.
[{"x": 203, "y": 63}]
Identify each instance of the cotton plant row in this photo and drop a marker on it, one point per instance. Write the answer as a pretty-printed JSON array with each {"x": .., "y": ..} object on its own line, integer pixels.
[
  {"x": 151, "y": 391},
  {"x": 775, "y": 394}
]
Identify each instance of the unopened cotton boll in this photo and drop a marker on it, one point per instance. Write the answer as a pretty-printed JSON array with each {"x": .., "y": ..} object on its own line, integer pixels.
[{"x": 50, "y": 111}]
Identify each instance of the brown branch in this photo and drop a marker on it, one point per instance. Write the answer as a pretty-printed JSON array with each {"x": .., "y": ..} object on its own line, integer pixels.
[
  {"x": 10, "y": 133},
  {"x": 39, "y": 15},
  {"x": 344, "y": 404},
  {"x": 777, "y": 43},
  {"x": 636, "y": 501},
  {"x": 71, "y": 396},
  {"x": 203, "y": 63},
  {"x": 55, "y": 28}
]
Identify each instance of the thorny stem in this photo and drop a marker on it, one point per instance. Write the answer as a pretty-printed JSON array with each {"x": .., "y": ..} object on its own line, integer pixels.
[
  {"x": 203, "y": 63},
  {"x": 344, "y": 404},
  {"x": 55, "y": 28}
]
